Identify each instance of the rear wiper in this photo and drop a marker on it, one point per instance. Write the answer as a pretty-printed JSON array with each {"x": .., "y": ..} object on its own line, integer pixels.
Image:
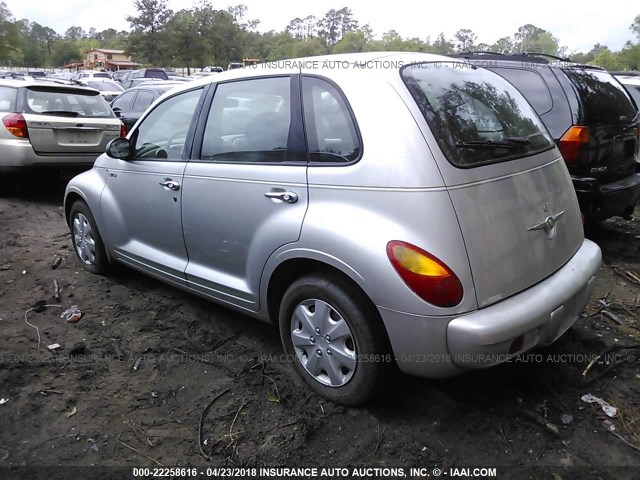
[
  {"x": 485, "y": 144},
  {"x": 59, "y": 113},
  {"x": 507, "y": 142}
]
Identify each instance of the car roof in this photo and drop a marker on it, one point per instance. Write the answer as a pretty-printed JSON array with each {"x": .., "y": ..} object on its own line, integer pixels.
[
  {"x": 164, "y": 86},
  {"x": 526, "y": 58},
  {"x": 628, "y": 79},
  {"x": 324, "y": 63}
]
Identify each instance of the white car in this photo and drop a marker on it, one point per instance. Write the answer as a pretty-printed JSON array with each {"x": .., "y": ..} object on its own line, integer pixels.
[
  {"x": 632, "y": 84},
  {"x": 109, "y": 89}
]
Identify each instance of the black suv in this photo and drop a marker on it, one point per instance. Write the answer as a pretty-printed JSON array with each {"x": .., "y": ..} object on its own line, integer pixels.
[
  {"x": 136, "y": 76},
  {"x": 592, "y": 119}
]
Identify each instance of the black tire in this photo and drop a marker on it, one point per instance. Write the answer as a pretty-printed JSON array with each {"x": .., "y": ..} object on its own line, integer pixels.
[
  {"x": 374, "y": 362},
  {"x": 100, "y": 264}
]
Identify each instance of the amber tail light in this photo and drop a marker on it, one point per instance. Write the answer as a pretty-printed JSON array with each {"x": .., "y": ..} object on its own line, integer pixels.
[
  {"x": 16, "y": 125},
  {"x": 571, "y": 143},
  {"x": 427, "y": 276}
]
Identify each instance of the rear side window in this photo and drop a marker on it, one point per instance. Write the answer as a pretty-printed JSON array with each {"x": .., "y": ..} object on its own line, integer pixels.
[
  {"x": 603, "y": 100},
  {"x": 249, "y": 121},
  {"x": 124, "y": 102},
  {"x": 7, "y": 99},
  {"x": 143, "y": 101},
  {"x": 634, "y": 91},
  {"x": 331, "y": 132},
  {"x": 61, "y": 101},
  {"x": 531, "y": 85},
  {"x": 476, "y": 116}
]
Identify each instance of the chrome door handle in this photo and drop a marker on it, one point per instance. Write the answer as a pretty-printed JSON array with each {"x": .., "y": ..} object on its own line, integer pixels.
[
  {"x": 171, "y": 185},
  {"x": 282, "y": 195}
]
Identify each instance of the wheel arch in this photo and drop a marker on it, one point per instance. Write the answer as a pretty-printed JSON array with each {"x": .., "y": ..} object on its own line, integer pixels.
[{"x": 293, "y": 267}]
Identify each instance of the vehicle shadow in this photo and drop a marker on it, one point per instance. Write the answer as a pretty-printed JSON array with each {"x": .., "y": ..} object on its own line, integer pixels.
[
  {"x": 42, "y": 189},
  {"x": 617, "y": 238}
]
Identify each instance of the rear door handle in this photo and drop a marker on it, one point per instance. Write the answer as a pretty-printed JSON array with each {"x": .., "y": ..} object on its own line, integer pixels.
[
  {"x": 171, "y": 185},
  {"x": 282, "y": 195}
]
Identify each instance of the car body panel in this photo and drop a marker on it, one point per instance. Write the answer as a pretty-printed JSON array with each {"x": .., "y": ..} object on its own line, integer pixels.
[
  {"x": 52, "y": 134},
  {"x": 231, "y": 228},
  {"x": 142, "y": 219}
]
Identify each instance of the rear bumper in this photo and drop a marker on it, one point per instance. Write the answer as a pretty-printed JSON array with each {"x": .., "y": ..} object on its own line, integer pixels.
[
  {"x": 445, "y": 346},
  {"x": 601, "y": 201},
  {"x": 17, "y": 155}
]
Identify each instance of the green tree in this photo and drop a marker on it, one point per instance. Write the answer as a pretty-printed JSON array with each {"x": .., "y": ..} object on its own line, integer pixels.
[
  {"x": 466, "y": 40},
  {"x": 530, "y": 38},
  {"x": 502, "y": 45},
  {"x": 64, "y": 52},
  {"x": 441, "y": 45},
  {"x": 309, "y": 47},
  {"x": 148, "y": 36},
  {"x": 352, "y": 42},
  {"x": 74, "y": 33},
  {"x": 608, "y": 60},
  {"x": 335, "y": 24},
  {"x": 10, "y": 39},
  {"x": 185, "y": 43},
  {"x": 635, "y": 26}
]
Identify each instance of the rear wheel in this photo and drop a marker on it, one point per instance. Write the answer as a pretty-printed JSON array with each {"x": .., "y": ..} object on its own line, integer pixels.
[
  {"x": 86, "y": 239},
  {"x": 336, "y": 339}
]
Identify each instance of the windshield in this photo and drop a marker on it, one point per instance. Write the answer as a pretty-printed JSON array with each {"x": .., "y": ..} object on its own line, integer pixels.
[{"x": 476, "y": 116}]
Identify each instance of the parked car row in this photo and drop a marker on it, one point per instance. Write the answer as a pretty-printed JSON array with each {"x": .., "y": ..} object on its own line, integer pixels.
[
  {"x": 592, "y": 119},
  {"x": 420, "y": 217},
  {"x": 424, "y": 217}
]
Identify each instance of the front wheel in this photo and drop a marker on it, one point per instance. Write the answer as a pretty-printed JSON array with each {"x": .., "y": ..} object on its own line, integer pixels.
[
  {"x": 336, "y": 339},
  {"x": 86, "y": 239}
]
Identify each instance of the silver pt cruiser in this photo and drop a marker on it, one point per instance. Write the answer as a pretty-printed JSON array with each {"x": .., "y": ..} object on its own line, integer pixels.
[{"x": 385, "y": 210}]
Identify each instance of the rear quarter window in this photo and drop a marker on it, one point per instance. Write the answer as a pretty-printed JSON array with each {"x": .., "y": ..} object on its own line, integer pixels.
[
  {"x": 476, "y": 116},
  {"x": 634, "y": 91},
  {"x": 531, "y": 85},
  {"x": 7, "y": 99}
]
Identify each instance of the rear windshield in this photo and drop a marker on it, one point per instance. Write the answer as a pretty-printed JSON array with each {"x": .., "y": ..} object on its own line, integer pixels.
[
  {"x": 156, "y": 74},
  {"x": 105, "y": 86},
  {"x": 603, "y": 100},
  {"x": 476, "y": 116},
  {"x": 73, "y": 102},
  {"x": 7, "y": 99}
]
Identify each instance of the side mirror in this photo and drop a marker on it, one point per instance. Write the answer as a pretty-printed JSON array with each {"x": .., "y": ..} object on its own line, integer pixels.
[{"x": 119, "y": 148}]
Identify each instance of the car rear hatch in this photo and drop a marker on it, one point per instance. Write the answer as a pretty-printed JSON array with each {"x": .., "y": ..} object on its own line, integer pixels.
[
  {"x": 68, "y": 120},
  {"x": 511, "y": 191},
  {"x": 608, "y": 146}
]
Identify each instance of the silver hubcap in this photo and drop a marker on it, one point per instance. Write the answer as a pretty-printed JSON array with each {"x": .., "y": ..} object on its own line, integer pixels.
[
  {"x": 323, "y": 343},
  {"x": 83, "y": 239}
]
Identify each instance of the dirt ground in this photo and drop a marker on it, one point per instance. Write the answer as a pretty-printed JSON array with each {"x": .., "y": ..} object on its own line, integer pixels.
[{"x": 170, "y": 379}]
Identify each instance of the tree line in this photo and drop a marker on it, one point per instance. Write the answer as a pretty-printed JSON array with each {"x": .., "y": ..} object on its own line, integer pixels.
[{"x": 203, "y": 35}]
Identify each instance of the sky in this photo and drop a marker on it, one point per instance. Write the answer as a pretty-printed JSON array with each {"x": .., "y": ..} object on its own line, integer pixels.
[{"x": 578, "y": 25}]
